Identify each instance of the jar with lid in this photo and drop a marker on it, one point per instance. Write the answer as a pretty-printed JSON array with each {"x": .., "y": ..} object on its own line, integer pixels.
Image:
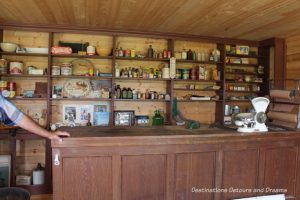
[{"x": 134, "y": 94}]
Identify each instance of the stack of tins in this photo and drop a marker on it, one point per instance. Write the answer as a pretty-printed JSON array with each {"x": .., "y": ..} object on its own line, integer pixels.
[{"x": 8, "y": 88}]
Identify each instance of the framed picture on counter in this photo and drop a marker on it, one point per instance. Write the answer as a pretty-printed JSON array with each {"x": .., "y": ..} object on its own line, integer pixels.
[
  {"x": 124, "y": 118},
  {"x": 57, "y": 91}
]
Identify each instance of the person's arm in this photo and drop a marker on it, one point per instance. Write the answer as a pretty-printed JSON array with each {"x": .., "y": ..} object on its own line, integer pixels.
[{"x": 31, "y": 126}]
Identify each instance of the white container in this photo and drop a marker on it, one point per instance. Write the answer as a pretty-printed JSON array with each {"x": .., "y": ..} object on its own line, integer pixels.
[
  {"x": 166, "y": 72},
  {"x": 91, "y": 50},
  {"x": 55, "y": 70},
  {"x": 16, "y": 68},
  {"x": 38, "y": 177},
  {"x": 66, "y": 69}
]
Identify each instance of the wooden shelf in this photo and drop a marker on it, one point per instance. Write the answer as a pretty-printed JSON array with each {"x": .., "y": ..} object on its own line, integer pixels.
[
  {"x": 243, "y": 91},
  {"x": 238, "y": 100},
  {"x": 182, "y": 89},
  {"x": 77, "y": 76},
  {"x": 204, "y": 81},
  {"x": 244, "y": 73},
  {"x": 200, "y": 62},
  {"x": 24, "y": 54},
  {"x": 23, "y": 76},
  {"x": 243, "y": 82},
  {"x": 79, "y": 99},
  {"x": 143, "y": 100},
  {"x": 205, "y": 101},
  {"x": 28, "y": 99},
  {"x": 241, "y": 65},
  {"x": 144, "y": 59},
  {"x": 36, "y": 189},
  {"x": 144, "y": 79},
  {"x": 80, "y": 56},
  {"x": 243, "y": 56}
]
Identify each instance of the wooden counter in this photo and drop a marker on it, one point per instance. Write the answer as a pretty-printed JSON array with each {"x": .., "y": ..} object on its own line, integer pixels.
[{"x": 174, "y": 163}]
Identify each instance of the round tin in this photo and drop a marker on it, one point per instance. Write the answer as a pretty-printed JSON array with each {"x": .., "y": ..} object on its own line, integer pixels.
[
  {"x": 55, "y": 70},
  {"x": 16, "y": 67},
  {"x": 66, "y": 69}
]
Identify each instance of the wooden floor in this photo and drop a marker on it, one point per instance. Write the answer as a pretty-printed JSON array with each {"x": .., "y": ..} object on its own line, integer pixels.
[{"x": 41, "y": 197}]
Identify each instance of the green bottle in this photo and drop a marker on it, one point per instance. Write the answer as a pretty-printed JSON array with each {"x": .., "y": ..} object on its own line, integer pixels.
[{"x": 157, "y": 119}]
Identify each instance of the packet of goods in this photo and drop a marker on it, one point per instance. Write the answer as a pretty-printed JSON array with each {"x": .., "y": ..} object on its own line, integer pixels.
[{"x": 61, "y": 50}]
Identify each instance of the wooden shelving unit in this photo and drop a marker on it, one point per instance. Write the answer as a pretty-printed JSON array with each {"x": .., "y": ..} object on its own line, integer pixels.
[{"x": 170, "y": 43}]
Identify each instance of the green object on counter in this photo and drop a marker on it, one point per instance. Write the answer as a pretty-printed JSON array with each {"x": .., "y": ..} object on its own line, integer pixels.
[{"x": 157, "y": 119}]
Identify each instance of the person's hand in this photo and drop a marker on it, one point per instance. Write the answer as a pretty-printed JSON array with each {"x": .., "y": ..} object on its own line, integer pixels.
[{"x": 56, "y": 135}]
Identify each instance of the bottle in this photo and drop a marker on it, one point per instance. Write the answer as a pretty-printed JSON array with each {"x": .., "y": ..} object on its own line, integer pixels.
[
  {"x": 117, "y": 52},
  {"x": 190, "y": 55},
  {"x": 134, "y": 94},
  {"x": 183, "y": 55},
  {"x": 124, "y": 93},
  {"x": 89, "y": 120},
  {"x": 121, "y": 53},
  {"x": 118, "y": 91},
  {"x": 150, "y": 51},
  {"x": 129, "y": 93},
  {"x": 130, "y": 72},
  {"x": 91, "y": 71},
  {"x": 194, "y": 55},
  {"x": 132, "y": 53},
  {"x": 165, "y": 53}
]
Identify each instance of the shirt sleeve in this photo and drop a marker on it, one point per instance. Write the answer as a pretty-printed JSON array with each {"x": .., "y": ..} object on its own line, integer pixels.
[{"x": 11, "y": 115}]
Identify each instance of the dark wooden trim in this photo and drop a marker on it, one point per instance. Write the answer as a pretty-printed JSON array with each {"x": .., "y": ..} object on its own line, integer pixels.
[{"x": 133, "y": 33}]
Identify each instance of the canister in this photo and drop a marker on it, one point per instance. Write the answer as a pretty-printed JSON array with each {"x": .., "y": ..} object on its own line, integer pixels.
[
  {"x": 66, "y": 69},
  {"x": 55, "y": 70},
  {"x": 91, "y": 50},
  {"x": 16, "y": 67},
  {"x": 166, "y": 72},
  {"x": 185, "y": 74},
  {"x": 38, "y": 175},
  {"x": 3, "y": 66}
]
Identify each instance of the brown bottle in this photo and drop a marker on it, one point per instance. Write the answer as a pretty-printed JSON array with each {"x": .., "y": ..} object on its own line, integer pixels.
[{"x": 190, "y": 55}]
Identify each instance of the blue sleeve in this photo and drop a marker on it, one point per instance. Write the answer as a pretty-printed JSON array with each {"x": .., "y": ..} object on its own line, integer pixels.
[{"x": 9, "y": 113}]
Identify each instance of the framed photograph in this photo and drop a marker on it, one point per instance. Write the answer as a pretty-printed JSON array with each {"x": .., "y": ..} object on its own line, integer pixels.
[
  {"x": 124, "y": 118},
  {"x": 70, "y": 114},
  {"x": 142, "y": 120},
  {"x": 5, "y": 170},
  {"x": 242, "y": 50},
  {"x": 57, "y": 91},
  {"x": 101, "y": 115}
]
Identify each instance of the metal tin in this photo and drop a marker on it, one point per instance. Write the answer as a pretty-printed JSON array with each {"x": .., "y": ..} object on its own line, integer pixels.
[
  {"x": 16, "y": 67},
  {"x": 3, "y": 84},
  {"x": 185, "y": 74},
  {"x": 3, "y": 66},
  {"x": 55, "y": 70},
  {"x": 66, "y": 69}
]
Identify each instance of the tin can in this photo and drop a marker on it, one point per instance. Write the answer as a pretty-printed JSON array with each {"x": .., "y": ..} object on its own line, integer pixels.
[
  {"x": 132, "y": 53},
  {"x": 3, "y": 84},
  {"x": 3, "y": 66},
  {"x": 16, "y": 67},
  {"x": 91, "y": 50},
  {"x": 185, "y": 74},
  {"x": 55, "y": 70},
  {"x": 127, "y": 53},
  {"x": 66, "y": 69}
]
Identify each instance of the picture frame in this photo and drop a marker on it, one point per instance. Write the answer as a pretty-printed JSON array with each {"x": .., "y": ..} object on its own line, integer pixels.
[
  {"x": 142, "y": 120},
  {"x": 124, "y": 118},
  {"x": 242, "y": 50},
  {"x": 57, "y": 91}
]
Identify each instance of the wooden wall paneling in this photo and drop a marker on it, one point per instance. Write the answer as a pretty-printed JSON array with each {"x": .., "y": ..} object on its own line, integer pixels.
[
  {"x": 240, "y": 169},
  {"x": 280, "y": 170},
  {"x": 28, "y": 154},
  {"x": 116, "y": 177},
  {"x": 27, "y": 38},
  {"x": 141, "y": 44},
  {"x": 179, "y": 45},
  {"x": 293, "y": 59},
  {"x": 218, "y": 173},
  {"x": 170, "y": 189},
  {"x": 193, "y": 172},
  {"x": 103, "y": 41},
  {"x": 298, "y": 174},
  {"x": 144, "y": 177},
  {"x": 4, "y": 147},
  {"x": 83, "y": 170}
]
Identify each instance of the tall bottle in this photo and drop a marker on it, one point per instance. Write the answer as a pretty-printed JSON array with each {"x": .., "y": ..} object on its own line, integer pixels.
[
  {"x": 150, "y": 51},
  {"x": 183, "y": 54},
  {"x": 118, "y": 92},
  {"x": 129, "y": 93},
  {"x": 190, "y": 55},
  {"x": 124, "y": 93}
]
